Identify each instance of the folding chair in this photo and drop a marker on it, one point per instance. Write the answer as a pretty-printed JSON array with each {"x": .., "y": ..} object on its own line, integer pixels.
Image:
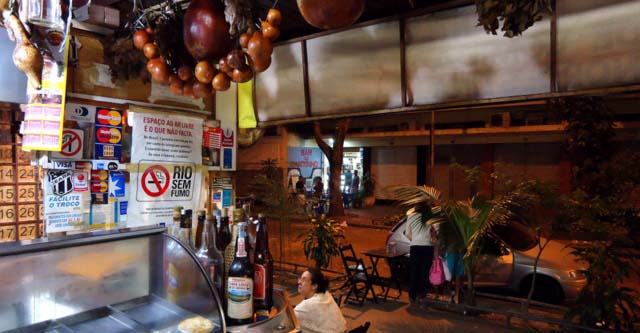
[{"x": 358, "y": 281}]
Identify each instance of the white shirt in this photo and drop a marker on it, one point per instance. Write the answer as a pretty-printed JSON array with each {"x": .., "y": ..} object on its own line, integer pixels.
[
  {"x": 418, "y": 233},
  {"x": 320, "y": 314}
]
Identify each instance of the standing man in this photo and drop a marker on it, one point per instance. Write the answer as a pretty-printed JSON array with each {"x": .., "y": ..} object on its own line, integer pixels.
[
  {"x": 348, "y": 178},
  {"x": 355, "y": 183},
  {"x": 420, "y": 255}
]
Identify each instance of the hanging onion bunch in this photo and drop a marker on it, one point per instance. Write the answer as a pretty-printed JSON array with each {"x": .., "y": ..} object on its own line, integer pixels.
[
  {"x": 193, "y": 52},
  {"x": 516, "y": 15}
]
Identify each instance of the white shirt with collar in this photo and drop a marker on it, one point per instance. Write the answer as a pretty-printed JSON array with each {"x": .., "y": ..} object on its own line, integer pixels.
[
  {"x": 418, "y": 233},
  {"x": 320, "y": 314}
]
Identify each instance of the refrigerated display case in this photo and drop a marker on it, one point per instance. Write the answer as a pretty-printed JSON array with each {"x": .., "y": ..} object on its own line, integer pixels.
[{"x": 119, "y": 281}]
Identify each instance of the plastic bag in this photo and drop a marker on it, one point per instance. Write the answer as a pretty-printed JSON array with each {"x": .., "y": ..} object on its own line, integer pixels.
[
  {"x": 436, "y": 274},
  {"x": 447, "y": 272}
]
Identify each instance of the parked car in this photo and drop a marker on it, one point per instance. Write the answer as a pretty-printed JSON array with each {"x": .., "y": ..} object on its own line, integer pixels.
[{"x": 508, "y": 263}]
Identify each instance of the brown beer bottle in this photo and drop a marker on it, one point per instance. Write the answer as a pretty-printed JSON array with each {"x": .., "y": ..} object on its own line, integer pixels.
[
  {"x": 224, "y": 233},
  {"x": 240, "y": 283},
  {"x": 263, "y": 272},
  {"x": 199, "y": 228}
]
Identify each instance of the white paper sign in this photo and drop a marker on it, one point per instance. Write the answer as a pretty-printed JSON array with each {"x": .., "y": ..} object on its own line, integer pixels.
[
  {"x": 64, "y": 205},
  {"x": 166, "y": 138},
  {"x": 167, "y": 154}
]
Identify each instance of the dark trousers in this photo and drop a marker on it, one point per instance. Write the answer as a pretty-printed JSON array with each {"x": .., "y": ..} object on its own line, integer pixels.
[{"x": 420, "y": 259}]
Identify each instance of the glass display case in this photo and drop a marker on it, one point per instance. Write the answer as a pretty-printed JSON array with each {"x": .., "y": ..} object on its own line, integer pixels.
[{"x": 136, "y": 280}]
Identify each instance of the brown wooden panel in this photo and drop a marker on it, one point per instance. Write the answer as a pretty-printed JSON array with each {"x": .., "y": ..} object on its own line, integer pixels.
[
  {"x": 8, "y": 233},
  {"x": 26, "y": 174},
  {"x": 8, "y": 214},
  {"x": 27, "y": 213},
  {"x": 27, "y": 231},
  {"x": 7, "y": 174}
]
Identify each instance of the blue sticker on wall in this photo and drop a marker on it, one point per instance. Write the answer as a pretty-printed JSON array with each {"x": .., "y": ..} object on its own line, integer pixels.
[
  {"x": 227, "y": 160},
  {"x": 226, "y": 197},
  {"x": 116, "y": 184}
]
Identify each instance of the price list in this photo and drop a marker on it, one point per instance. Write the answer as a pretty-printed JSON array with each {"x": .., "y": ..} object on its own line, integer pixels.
[{"x": 20, "y": 190}]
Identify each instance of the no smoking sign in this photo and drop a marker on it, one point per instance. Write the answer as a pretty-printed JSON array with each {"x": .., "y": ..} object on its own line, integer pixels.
[
  {"x": 165, "y": 182},
  {"x": 72, "y": 145}
]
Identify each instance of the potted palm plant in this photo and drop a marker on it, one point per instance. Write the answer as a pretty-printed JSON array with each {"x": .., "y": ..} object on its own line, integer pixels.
[{"x": 467, "y": 223}]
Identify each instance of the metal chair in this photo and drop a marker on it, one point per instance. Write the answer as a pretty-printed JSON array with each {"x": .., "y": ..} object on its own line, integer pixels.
[{"x": 359, "y": 281}]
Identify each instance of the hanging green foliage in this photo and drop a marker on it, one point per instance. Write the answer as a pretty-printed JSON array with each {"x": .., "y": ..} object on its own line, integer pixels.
[{"x": 516, "y": 15}]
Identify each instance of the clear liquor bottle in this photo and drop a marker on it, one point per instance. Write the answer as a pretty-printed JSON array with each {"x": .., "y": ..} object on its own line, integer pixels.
[{"x": 211, "y": 259}]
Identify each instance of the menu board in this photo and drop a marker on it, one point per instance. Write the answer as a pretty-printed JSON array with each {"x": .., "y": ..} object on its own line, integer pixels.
[{"x": 20, "y": 193}]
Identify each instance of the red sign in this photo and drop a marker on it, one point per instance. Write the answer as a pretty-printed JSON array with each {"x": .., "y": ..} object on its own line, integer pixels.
[
  {"x": 227, "y": 138},
  {"x": 155, "y": 181},
  {"x": 99, "y": 187},
  {"x": 108, "y": 135},
  {"x": 71, "y": 143},
  {"x": 108, "y": 117}
]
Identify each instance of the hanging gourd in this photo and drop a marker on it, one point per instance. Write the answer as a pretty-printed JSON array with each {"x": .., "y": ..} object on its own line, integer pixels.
[{"x": 331, "y": 14}]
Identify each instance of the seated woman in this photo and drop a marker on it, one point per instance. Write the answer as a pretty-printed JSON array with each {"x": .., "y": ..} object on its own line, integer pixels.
[{"x": 318, "y": 313}]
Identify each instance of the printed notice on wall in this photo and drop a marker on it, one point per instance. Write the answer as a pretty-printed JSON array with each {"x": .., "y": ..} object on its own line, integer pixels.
[
  {"x": 166, "y": 156},
  {"x": 166, "y": 138},
  {"x": 66, "y": 199}
]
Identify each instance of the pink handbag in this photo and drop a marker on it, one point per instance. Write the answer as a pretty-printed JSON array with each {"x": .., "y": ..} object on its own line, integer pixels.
[{"x": 436, "y": 274}]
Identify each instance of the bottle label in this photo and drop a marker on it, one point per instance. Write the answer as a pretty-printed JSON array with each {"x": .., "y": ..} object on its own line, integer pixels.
[
  {"x": 241, "y": 251},
  {"x": 260, "y": 287},
  {"x": 262, "y": 315},
  {"x": 240, "y": 299}
]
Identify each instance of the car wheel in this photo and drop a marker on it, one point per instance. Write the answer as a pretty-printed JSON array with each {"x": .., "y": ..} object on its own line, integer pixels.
[{"x": 547, "y": 289}]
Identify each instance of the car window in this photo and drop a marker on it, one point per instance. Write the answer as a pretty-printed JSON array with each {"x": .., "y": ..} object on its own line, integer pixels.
[
  {"x": 492, "y": 247},
  {"x": 516, "y": 235}
]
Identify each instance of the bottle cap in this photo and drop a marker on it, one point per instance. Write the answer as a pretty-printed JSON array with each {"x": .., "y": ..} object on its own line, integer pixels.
[
  {"x": 261, "y": 215},
  {"x": 225, "y": 212},
  {"x": 202, "y": 212},
  {"x": 217, "y": 212},
  {"x": 177, "y": 209}
]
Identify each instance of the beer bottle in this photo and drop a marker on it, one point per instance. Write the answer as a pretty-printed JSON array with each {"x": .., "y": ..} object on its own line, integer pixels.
[
  {"x": 210, "y": 221},
  {"x": 199, "y": 228},
  {"x": 240, "y": 283},
  {"x": 174, "y": 230},
  {"x": 263, "y": 268},
  {"x": 185, "y": 228},
  {"x": 224, "y": 233},
  {"x": 211, "y": 259}
]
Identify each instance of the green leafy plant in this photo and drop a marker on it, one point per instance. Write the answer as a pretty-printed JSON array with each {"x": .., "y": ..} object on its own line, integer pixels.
[
  {"x": 516, "y": 15},
  {"x": 279, "y": 204},
  {"x": 603, "y": 303},
  {"x": 322, "y": 242},
  {"x": 539, "y": 195},
  {"x": 589, "y": 144},
  {"x": 602, "y": 206},
  {"x": 469, "y": 222}
]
